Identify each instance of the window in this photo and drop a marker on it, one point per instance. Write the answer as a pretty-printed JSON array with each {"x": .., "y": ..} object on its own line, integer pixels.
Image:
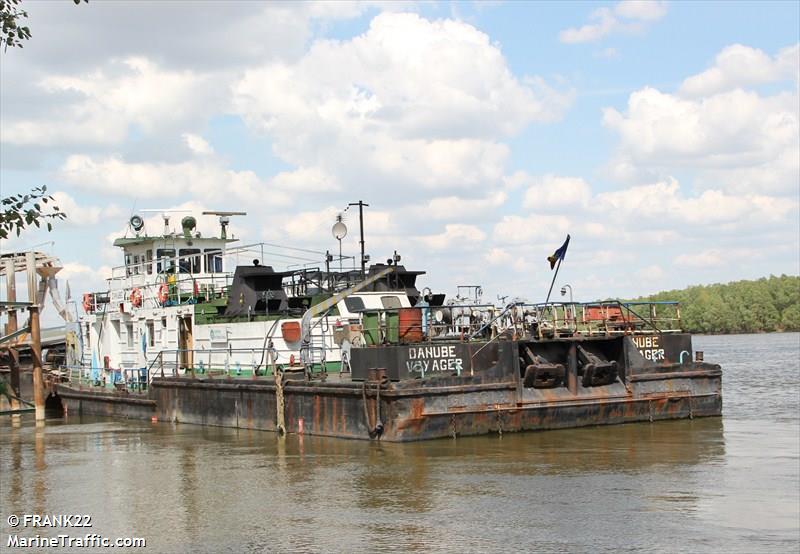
[
  {"x": 148, "y": 260},
  {"x": 129, "y": 330},
  {"x": 165, "y": 260},
  {"x": 213, "y": 260},
  {"x": 189, "y": 260},
  {"x": 390, "y": 302},
  {"x": 164, "y": 330},
  {"x": 151, "y": 334},
  {"x": 354, "y": 304},
  {"x": 128, "y": 264},
  {"x": 136, "y": 264}
]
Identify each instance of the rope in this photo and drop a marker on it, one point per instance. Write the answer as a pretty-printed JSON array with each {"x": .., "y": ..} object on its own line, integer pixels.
[{"x": 377, "y": 430}]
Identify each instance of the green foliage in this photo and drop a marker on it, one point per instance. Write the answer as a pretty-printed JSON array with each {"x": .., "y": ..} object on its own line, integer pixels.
[
  {"x": 22, "y": 210},
  {"x": 12, "y": 33},
  {"x": 763, "y": 305}
]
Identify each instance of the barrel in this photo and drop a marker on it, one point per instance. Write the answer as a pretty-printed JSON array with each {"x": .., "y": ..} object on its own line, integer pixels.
[{"x": 410, "y": 325}]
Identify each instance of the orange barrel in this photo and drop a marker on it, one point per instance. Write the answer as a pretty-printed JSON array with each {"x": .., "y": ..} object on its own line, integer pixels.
[{"x": 410, "y": 325}]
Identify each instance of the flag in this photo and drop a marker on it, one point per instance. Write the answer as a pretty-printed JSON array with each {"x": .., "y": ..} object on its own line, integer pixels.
[{"x": 558, "y": 254}]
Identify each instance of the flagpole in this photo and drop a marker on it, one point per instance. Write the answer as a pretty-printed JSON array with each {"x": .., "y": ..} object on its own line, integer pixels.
[{"x": 553, "y": 282}]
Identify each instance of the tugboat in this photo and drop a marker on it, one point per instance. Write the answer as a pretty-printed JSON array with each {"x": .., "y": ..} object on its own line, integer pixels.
[{"x": 365, "y": 353}]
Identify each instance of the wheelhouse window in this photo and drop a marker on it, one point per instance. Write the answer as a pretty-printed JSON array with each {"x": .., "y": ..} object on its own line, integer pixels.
[
  {"x": 136, "y": 267},
  {"x": 165, "y": 260},
  {"x": 213, "y": 260},
  {"x": 148, "y": 261},
  {"x": 189, "y": 260},
  {"x": 128, "y": 264},
  {"x": 390, "y": 302},
  {"x": 354, "y": 304}
]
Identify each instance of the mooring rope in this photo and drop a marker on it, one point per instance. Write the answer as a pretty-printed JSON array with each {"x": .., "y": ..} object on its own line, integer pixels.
[{"x": 377, "y": 430}]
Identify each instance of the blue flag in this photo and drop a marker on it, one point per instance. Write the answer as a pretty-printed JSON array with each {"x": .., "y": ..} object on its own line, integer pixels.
[{"x": 558, "y": 254}]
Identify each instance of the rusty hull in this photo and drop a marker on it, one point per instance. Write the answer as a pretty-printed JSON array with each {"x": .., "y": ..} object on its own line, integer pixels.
[{"x": 485, "y": 398}]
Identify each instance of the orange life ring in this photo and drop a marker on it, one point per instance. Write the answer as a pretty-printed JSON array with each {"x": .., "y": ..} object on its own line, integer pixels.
[
  {"x": 136, "y": 297},
  {"x": 163, "y": 293},
  {"x": 88, "y": 306}
]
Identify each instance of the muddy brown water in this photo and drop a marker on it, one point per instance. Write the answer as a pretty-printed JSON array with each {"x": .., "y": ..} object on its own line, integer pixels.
[{"x": 729, "y": 484}]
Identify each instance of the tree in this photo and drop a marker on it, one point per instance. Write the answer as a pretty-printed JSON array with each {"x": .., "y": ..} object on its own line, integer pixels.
[
  {"x": 20, "y": 211},
  {"x": 11, "y": 32}
]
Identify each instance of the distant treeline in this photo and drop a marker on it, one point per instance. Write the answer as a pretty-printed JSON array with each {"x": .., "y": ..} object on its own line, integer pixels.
[{"x": 767, "y": 304}]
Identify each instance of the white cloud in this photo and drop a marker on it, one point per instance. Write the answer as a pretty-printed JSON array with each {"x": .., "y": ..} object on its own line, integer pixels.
[
  {"x": 662, "y": 203},
  {"x": 454, "y": 235},
  {"x": 644, "y": 10},
  {"x": 715, "y": 257},
  {"x": 554, "y": 192},
  {"x": 304, "y": 180},
  {"x": 449, "y": 207},
  {"x": 79, "y": 214},
  {"x": 651, "y": 274},
  {"x": 738, "y": 140},
  {"x": 625, "y": 17},
  {"x": 535, "y": 228},
  {"x": 82, "y": 278},
  {"x": 208, "y": 179},
  {"x": 197, "y": 144},
  {"x": 741, "y": 66},
  {"x": 409, "y": 103},
  {"x": 107, "y": 102},
  {"x": 498, "y": 256}
]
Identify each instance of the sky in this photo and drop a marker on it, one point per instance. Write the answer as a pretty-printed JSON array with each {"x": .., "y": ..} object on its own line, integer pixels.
[{"x": 662, "y": 136}]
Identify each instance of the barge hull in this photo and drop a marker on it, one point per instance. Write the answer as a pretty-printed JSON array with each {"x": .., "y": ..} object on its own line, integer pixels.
[
  {"x": 338, "y": 411},
  {"x": 494, "y": 399}
]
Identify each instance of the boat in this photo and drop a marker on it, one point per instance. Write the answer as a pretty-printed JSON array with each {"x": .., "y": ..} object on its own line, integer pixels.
[{"x": 185, "y": 334}]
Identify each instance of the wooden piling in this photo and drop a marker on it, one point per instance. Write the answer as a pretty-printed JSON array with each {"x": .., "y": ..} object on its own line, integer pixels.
[
  {"x": 36, "y": 355},
  {"x": 11, "y": 326}
]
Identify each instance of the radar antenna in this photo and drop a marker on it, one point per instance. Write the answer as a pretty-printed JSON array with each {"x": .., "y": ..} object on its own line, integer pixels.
[{"x": 224, "y": 219}]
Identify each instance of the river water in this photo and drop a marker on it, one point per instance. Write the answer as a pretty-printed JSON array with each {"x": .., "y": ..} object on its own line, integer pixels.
[{"x": 729, "y": 484}]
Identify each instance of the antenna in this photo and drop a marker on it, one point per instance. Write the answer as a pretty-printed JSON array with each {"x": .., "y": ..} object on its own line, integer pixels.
[
  {"x": 224, "y": 219},
  {"x": 339, "y": 231},
  {"x": 165, "y": 213}
]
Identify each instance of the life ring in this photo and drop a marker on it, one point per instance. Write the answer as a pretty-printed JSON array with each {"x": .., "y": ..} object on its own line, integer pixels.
[
  {"x": 163, "y": 293},
  {"x": 88, "y": 305},
  {"x": 136, "y": 297}
]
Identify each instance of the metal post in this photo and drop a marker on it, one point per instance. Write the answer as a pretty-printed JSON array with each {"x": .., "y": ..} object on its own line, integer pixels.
[
  {"x": 36, "y": 354},
  {"x": 547, "y": 301},
  {"x": 11, "y": 296},
  {"x": 30, "y": 268},
  {"x": 361, "y": 206},
  {"x": 572, "y": 369}
]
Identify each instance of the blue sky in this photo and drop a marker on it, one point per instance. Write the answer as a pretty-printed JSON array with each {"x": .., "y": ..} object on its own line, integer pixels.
[{"x": 663, "y": 136}]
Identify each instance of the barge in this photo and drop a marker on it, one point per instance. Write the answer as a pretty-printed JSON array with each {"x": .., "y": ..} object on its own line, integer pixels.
[{"x": 365, "y": 354}]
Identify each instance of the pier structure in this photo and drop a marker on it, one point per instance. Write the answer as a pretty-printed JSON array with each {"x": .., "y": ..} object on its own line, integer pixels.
[{"x": 40, "y": 270}]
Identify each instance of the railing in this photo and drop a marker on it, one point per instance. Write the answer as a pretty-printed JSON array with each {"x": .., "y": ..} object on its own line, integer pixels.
[
  {"x": 213, "y": 362},
  {"x": 551, "y": 320}
]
